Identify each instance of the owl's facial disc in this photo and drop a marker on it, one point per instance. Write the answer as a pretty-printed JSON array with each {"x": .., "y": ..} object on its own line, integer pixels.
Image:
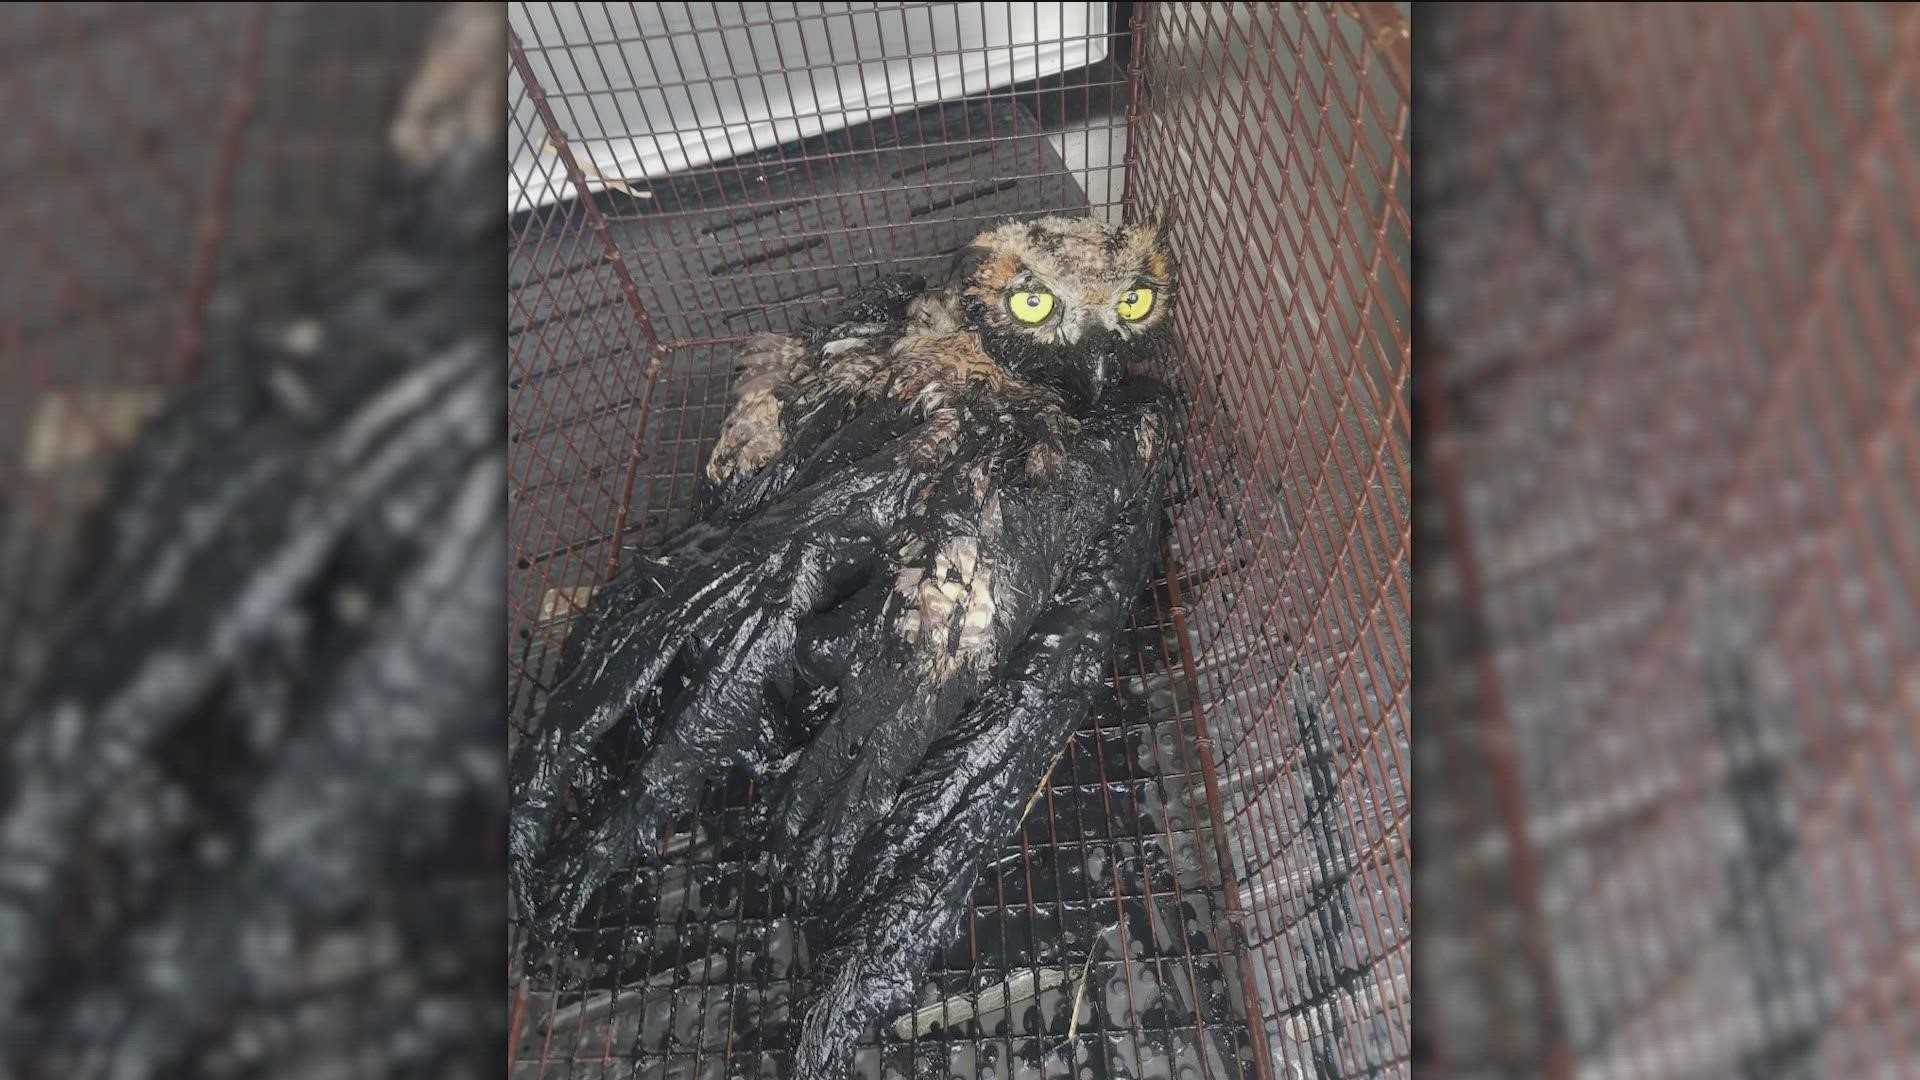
[{"x": 1069, "y": 301}]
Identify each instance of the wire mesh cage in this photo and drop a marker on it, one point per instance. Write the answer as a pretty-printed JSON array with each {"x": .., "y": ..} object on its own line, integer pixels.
[
  {"x": 1674, "y": 245},
  {"x": 1223, "y": 850}
]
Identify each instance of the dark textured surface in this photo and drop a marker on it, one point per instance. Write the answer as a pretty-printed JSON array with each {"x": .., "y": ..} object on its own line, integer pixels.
[
  {"x": 270, "y": 659},
  {"x": 109, "y": 193},
  {"x": 248, "y": 571}
]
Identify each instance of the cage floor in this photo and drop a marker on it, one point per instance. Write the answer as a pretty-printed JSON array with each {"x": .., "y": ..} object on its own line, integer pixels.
[{"x": 1107, "y": 907}]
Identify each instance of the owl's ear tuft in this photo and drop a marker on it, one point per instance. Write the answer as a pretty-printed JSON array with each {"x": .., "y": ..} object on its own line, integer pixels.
[
  {"x": 1158, "y": 222},
  {"x": 967, "y": 261}
]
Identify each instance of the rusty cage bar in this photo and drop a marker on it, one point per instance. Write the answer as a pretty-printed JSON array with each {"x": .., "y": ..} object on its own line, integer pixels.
[{"x": 1227, "y": 838}]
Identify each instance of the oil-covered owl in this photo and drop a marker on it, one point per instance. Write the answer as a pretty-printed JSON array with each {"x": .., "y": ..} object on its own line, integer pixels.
[{"x": 925, "y": 519}]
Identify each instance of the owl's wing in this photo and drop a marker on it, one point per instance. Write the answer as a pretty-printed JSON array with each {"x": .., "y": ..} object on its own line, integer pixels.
[
  {"x": 981, "y": 572},
  {"x": 722, "y": 608},
  {"x": 876, "y": 582},
  {"x": 906, "y": 892},
  {"x": 766, "y": 447}
]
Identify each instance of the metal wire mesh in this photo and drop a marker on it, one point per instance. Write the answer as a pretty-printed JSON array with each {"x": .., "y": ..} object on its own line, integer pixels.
[
  {"x": 1281, "y": 133},
  {"x": 1674, "y": 250},
  {"x": 1224, "y": 844}
]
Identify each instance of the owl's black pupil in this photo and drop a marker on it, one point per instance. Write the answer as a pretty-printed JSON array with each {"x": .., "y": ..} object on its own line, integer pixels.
[
  {"x": 1033, "y": 301},
  {"x": 1133, "y": 298}
]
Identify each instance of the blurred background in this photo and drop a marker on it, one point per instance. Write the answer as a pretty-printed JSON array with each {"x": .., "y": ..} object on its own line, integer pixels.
[
  {"x": 172, "y": 172},
  {"x": 1668, "y": 692},
  {"x": 161, "y": 153}
]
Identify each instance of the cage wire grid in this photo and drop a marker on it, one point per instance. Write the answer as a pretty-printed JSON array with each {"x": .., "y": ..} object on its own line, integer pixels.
[
  {"x": 1231, "y": 827},
  {"x": 1676, "y": 245}
]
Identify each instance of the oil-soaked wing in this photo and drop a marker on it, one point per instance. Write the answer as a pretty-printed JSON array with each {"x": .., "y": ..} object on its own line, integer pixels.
[
  {"x": 733, "y": 605},
  {"x": 911, "y": 877},
  {"x": 737, "y": 484},
  {"x": 961, "y": 612},
  {"x": 930, "y": 601}
]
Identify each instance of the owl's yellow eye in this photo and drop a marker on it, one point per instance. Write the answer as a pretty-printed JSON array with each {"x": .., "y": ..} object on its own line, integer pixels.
[
  {"x": 1030, "y": 307},
  {"x": 1136, "y": 304}
]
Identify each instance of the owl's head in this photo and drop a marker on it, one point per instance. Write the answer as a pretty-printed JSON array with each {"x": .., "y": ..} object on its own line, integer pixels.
[{"x": 1070, "y": 301}]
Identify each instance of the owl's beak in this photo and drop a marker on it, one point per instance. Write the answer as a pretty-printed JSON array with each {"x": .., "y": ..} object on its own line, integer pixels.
[
  {"x": 1097, "y": 376},
  {"x": 1097, "y": 366},
  {"x": 1087, "y": 358}
]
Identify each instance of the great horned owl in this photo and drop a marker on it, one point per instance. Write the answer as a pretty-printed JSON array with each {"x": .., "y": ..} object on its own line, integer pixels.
[{"x": 921, "y": 507}]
